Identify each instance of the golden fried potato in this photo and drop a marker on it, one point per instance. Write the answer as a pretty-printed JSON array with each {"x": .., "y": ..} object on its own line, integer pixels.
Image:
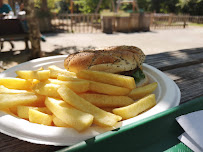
[
  {"x": 136, "y": 108},
  {"x": 16, "y": 83},
  {"x": 140, "y": 92},
  {"x": 47, "y": 89},
  {"x": 55, "y": 71},
  {"x": 101, "y": 100},
  {"x": 101, "y": 117},
  {"x": 11, "y": 100},
  {"x": 59, "y": 123},
  {"x": 68, "y": 114},
  {"x": 68, "y": 78},
  {"x": 108, "y": 89},
  {"x": 108, "y": 78},
  {"x": 38, "y": 117},
  {"x": 23, "y": 111},
  {"x": 13, "y": 91},
  {"x": 41, "y": 75},
  {"x": 76, "y": 86}
]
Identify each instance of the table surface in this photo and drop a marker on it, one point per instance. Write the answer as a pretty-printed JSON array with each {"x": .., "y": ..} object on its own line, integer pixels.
[{"x": 185, "y": 67}]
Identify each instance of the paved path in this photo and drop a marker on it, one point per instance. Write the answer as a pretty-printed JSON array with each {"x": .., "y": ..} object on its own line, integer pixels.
[{"x": 150, "y": 42}]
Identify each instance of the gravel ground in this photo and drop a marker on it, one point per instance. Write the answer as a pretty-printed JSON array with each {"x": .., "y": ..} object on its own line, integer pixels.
[{"x": 156, "y": 41}]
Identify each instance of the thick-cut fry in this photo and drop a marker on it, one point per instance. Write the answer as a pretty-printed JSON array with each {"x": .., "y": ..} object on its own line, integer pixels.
[
  {"x": 108, "y": 78},
  {"x": 101, "y": 117},
  {"x": 41, "y": 75},
  {"x": 136, "y": 108},
  {"x": 55, "y": 71},
  {"x": 38, "y": 117},
  {"x": 47, "y": 89},
  {"x": 101, "y": 100},
  {"x": 76, "y": 86},
  {"x": 59, "y": 123},
  {"x": 10, "y": 100},
  {"x": 68, "y": 78},
  {"x": 13, "y": 91},
  {"x": 23, "y": 111},
  {"x": 140, "y": 92},
  {"x": 73, "y": 117},
  {"x": 16, "y": 83},
  {"x": 108, "y": 89}
]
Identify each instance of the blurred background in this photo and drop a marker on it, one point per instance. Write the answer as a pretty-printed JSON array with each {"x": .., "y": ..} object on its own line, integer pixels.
[{"x": 38, "y": 28}]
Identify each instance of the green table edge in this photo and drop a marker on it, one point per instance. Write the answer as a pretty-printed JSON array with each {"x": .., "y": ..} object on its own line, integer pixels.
[{"x": 155, "y": 133}]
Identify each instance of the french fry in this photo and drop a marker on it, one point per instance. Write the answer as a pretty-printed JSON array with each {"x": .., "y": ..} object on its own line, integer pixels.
[
  {"x": 16, "y": 83},
  {"x": 136, "y": 108},
  {"x": 76, "y": 86},
  {"x": 23, "y": 111},
  {"x": 55, "y": 71},
  {"x": 13, "y": 91},
  {"x": 68, "y": 78},
  {"x": 13, "y": 110},
  {"x": 101, "y": 100},
  {"x": 140, "y": 92},
  {"x": 73, "y": 117},
  {"x": 59, "y": 123},
  {"x": 11, "y": 100},
  {"x": 108, "y": 78},
  {"x": 38, "y": 117},
  {"x": 50, "y": 87},
  {"x": 41, "y": 75},
  {"x": 47, "y": 89},
  {"x": 108, "y": 89},
  {"x": 101, "y": 117}
]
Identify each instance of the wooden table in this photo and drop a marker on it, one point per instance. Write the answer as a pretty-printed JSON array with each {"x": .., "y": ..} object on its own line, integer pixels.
[{"x": 185, "y": 67}]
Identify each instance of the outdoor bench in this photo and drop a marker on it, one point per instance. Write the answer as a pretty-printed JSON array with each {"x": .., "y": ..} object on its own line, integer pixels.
[{"x": 12, "y": 30}]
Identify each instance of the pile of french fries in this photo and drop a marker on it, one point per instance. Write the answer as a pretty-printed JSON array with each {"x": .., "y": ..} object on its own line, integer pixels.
[{"x": 57, "y": 97}]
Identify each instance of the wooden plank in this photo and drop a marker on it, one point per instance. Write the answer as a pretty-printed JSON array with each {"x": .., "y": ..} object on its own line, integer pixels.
[
  {"x": 171, "y": 60},
  {"x": 189, "y": 79},
  {"x": 10, "y": 144}
]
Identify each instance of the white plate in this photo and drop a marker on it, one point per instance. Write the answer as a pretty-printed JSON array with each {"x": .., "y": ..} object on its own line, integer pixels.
[{"x": 167, "y": 96}]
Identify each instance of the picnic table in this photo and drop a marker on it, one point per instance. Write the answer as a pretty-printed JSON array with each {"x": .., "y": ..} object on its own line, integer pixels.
[{"x": 185, "y": 67}]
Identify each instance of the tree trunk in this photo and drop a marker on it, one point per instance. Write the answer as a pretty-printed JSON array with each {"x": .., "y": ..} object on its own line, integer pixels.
[
  {"x": 34, "y": 32},
  {"x": 98, "y": 6},
  {"x": 113, "y": 6},
  {"x": 44, "y": 5}
]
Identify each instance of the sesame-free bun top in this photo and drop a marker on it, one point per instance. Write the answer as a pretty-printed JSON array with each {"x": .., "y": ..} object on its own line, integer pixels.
[{"x": 113, "y": 59}]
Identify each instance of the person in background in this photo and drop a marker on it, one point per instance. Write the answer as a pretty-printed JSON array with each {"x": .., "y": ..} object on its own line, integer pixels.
[
  {"x": 22, "y": 17},
  {"x": 5, "y": 9}
]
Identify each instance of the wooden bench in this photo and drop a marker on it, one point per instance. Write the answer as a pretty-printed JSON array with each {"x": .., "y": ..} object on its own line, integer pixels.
[{"x": 11, "y": 30}]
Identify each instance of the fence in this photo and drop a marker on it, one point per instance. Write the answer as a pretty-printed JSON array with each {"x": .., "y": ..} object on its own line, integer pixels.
[
  {"x": 196, "y": 19},
  {"x": 165, "y": 21},
  {"x": 77, "y": 23},
  {"x": 92, "y": 23}
]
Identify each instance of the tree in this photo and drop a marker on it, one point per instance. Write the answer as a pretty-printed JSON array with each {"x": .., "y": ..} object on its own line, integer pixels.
[
  {"x": 34, "y": 32},
  {"x": 89, "y": 6}
]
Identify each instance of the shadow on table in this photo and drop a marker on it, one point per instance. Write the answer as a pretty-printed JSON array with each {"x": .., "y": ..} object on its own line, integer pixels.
[{"x": 185, "y": 67}]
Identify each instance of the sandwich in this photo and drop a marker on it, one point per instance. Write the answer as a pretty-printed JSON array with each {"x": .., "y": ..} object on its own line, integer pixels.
[{"x": 124, "y": 60}]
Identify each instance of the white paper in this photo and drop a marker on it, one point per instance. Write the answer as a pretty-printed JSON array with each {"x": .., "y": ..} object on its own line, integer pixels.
[
  {"x": 188, "y": 141},
  {"x": 192, "y": 123}
]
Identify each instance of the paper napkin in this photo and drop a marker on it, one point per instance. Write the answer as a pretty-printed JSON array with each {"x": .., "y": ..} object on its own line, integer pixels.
[
  {"x": 188, "y": 141},
  {"x": 192, "y": 123}
]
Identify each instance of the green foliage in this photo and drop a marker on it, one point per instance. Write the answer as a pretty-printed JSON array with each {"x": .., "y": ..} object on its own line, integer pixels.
[
  {"x": 193, "y": 7},
  {"x": 89, "y": 6}
]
